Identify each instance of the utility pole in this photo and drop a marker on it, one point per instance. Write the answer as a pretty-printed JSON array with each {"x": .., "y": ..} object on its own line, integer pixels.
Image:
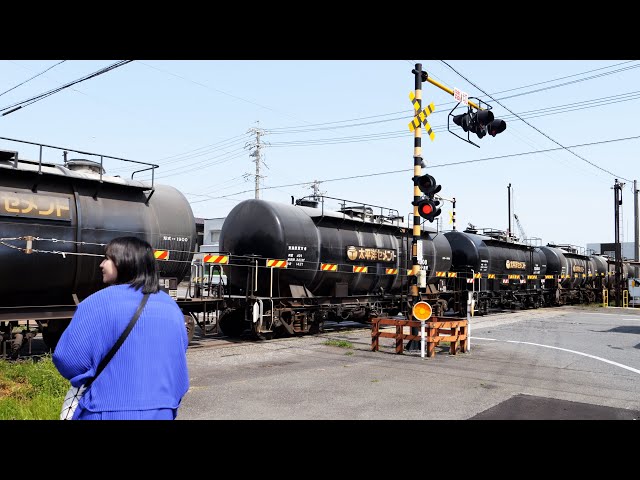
[
  {"x": 617, "y": 192},
  {"x": 509, "y": 209},
  {"x": 257, "y": 146},
  {"x": 636, "y": 252},
  {"x": 316, "y": 190}
]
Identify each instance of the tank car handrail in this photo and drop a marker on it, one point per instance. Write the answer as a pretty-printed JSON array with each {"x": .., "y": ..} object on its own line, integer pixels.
[
  {"x": 393, "y": 215},
  {"x": 151, "y": 166}
]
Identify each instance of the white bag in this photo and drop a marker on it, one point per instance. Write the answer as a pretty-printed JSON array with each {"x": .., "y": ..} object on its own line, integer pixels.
[{"x": 71, "y": 399}]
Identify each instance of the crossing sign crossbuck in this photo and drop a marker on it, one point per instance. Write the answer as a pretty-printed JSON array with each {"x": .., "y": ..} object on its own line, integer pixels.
[{"x": 421, "y": 116}]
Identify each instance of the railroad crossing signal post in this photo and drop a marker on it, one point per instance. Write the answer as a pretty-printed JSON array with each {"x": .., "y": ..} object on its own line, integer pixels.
[
  {"x": 415, "y": 126},
  {"x": 617, "y": 190},
  {"x": 480, "y": 122}
]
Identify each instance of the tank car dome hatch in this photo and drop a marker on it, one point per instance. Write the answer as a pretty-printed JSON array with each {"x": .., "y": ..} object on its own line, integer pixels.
[
  {"x": 304, "y": 202},
  {"x": 84, "y": 165},
  {"x": 8, "y": 155},
  {"x": 356, "y": 210}
]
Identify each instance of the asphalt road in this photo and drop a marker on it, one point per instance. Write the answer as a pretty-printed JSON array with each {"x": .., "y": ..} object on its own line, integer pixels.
[{"x": 562, "y": 363}]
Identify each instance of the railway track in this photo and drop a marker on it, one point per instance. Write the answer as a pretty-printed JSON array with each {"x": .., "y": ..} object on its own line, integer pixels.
[{"x": 218, "y": 341}]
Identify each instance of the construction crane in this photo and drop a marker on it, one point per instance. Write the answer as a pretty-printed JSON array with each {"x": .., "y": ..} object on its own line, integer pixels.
[{"x": 522, "y": 234}]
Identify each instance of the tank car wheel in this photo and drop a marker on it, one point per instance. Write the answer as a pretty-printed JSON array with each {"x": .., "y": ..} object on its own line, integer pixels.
[
  {"x": 316, "y": 327},
  {"x": 265, "y": 335},
  {"x": 53, "y": 331},
  {"x": 190, "y": 325},
  {"x": 231, "y": 323}
]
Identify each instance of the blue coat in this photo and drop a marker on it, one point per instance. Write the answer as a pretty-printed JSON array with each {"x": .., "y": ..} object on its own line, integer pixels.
[{"x": 147, "y": 377}]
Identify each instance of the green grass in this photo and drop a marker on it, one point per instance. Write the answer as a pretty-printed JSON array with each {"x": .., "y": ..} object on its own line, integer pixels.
[
  {"x": 339, "y": 343},
  {"x": 31, "y": 390}
]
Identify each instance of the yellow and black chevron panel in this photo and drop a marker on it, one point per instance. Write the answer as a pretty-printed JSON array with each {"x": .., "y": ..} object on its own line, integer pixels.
[{"x": 491, "y": 275}]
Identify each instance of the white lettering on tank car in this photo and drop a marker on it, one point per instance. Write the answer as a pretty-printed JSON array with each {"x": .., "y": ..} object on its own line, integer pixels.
[{"x": 169, "y": 238}]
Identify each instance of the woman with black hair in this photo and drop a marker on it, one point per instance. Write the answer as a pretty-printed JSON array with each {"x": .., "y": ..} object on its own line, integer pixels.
[{"x": 147, "y": 377}]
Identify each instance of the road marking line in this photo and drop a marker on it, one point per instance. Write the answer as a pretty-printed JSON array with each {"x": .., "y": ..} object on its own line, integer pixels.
[{"x": 634, "y": 370}]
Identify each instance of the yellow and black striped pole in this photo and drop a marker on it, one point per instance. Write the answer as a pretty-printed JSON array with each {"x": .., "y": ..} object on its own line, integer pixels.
[
  {"x": 417, "y": 172},
  {"x": 453, "y": 213},
  {"x": 417, "y": 194}
]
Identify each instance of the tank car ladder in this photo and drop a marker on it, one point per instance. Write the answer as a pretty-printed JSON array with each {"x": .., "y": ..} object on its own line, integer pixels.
[{"x": 257, "y": 310}]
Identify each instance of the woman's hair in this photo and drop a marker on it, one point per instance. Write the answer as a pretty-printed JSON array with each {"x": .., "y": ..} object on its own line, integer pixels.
[{"x": 135, "y": 263}]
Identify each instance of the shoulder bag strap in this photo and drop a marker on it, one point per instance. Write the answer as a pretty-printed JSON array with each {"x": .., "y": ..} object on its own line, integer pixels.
[{"x": 120, "y": 341}]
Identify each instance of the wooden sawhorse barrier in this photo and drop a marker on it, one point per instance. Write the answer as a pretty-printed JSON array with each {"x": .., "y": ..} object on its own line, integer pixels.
[{"x": 437, "y": 330}]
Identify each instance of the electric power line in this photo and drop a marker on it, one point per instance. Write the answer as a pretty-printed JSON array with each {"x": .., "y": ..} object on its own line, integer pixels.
[
  {"x": 404, "y": 170},
  {"x": 535, "y": 128},
  {"x": 29, "y": 79},
  {"x": 29, "y": 101}
]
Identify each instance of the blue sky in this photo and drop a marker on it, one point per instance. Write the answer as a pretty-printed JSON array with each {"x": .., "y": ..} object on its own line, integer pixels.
[{"x": 329, "y": 120}]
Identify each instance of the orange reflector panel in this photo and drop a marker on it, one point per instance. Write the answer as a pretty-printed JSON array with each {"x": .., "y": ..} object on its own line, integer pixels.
[
  {"x": 161, "y": 254},
  {"x": 422, "y": 311},
  {"x": 216, "y": 259},
  {"x": 277, "y": 263}
]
